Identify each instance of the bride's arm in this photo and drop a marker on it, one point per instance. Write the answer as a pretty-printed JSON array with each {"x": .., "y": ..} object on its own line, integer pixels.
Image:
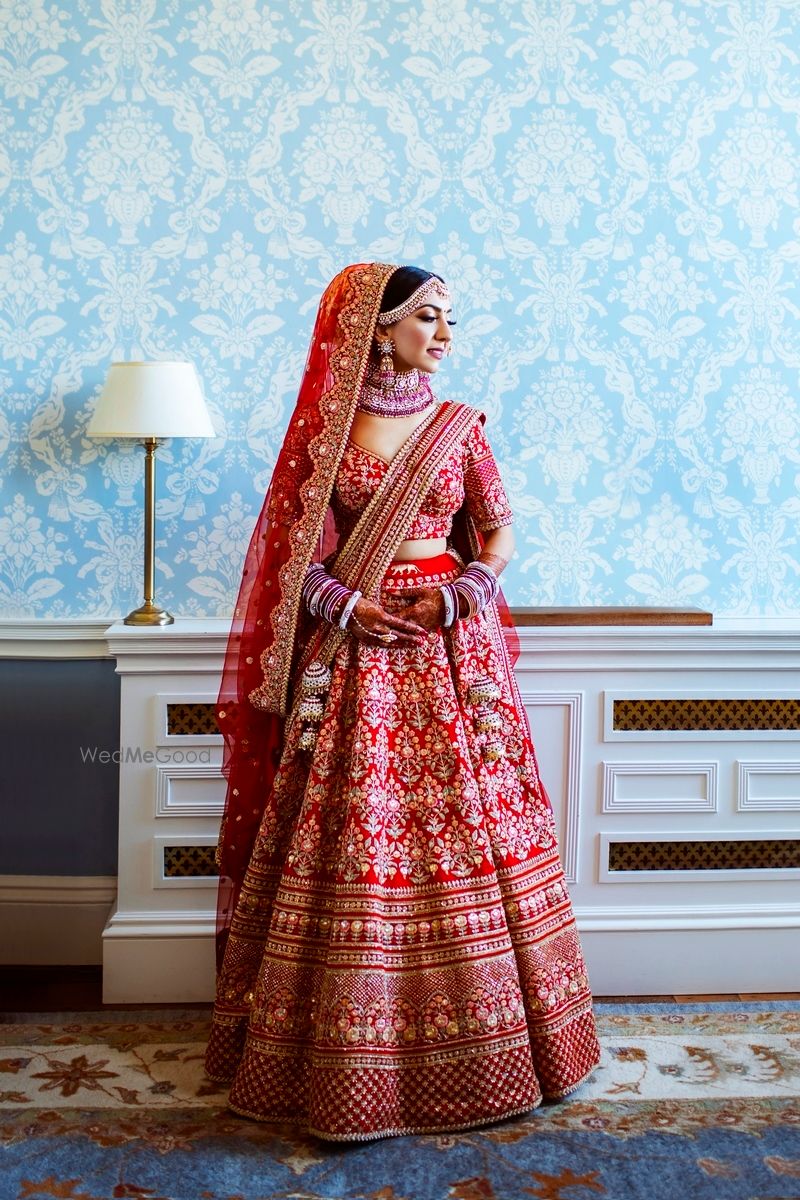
[{"x": 498, "y": 549}]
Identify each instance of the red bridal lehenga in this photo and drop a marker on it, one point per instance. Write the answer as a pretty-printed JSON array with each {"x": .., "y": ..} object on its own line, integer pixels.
[{"x": 398, "y": 953}]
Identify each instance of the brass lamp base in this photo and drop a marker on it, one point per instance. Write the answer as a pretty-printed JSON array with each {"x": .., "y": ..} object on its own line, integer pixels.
[{"x": 149, "y": 614}]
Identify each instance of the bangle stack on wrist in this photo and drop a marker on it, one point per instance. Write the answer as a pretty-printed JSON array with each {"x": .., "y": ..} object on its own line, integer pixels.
[
  {"x": 324, "y": 596},
  {"x": 347, "y": 611},
  {"x": 477, "y": 587},
  {"x": 450, "y": 605}
]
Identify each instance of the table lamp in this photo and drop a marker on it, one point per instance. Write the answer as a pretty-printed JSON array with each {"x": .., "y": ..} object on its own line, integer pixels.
[{"x": 148, "y": 401}]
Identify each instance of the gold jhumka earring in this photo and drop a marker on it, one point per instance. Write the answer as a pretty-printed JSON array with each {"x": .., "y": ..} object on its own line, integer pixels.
[{"x": 386, "y": 370}]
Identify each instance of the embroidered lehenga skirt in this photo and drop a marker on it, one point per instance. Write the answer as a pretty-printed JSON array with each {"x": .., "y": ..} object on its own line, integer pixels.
[{"x": 403, "y": 957}]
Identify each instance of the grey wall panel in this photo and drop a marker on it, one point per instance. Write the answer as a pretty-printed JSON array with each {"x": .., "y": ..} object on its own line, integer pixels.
[{"x": 58, "y": 810}]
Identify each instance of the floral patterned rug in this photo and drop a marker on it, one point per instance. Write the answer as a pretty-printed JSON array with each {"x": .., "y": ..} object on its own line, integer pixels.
[{"x": 701, "y": 1101}]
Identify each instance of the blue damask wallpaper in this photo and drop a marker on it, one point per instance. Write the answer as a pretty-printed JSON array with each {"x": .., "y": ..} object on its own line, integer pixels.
[{"x": 611, "y": 190}]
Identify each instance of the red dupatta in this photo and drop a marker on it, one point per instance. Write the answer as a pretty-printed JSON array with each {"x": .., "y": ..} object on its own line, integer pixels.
[{"x": 291, "y": 531}]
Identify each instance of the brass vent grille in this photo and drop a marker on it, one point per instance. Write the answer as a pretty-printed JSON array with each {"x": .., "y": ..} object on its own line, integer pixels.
[
  {"x": 189, "y": 862},
  {"x": 187, "y": 720},
  {"x": 707, "y": 714},
  {"x": 753, "y": 855}
]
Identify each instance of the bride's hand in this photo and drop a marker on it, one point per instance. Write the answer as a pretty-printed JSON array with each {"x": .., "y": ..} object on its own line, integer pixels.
[
  {"x": 426, "y": 609},
  {"x": 374, "y": 626}
]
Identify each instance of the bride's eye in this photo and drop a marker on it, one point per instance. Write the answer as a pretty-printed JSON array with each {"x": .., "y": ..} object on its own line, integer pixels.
[{"x": 427, "y": 317}]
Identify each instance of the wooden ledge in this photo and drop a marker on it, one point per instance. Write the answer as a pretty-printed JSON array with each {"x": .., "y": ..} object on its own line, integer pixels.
[{"x": 601, "y": 615}]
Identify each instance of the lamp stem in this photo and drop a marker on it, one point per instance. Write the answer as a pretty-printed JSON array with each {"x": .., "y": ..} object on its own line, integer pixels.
[
  {"x": 149, "y": 613},
  {"x": 149, "y": 520}
]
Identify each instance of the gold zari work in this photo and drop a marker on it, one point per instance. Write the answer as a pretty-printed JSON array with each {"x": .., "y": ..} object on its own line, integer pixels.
[
  {"x": 753, "y": 855},
  {"x": 403, "y": 957},
  {"x": 706, "y": 714}
]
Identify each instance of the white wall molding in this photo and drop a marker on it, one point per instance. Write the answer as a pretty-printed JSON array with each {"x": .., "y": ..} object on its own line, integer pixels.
[
  {"x": 174, "y": 787},
  {"x": 614, "y": 773},
  {"x": 569, "y": 834},
  {"x": 201, "y": 922},
  {"x": 89, "y": 637},
  {"x": 100, "y": 637},
  {"x": 750, "y": 772},
  {"x": 638, "y": 961},
  {"x": 609, "y": 919},
  {"x": 54, "y": 919},
  {"x": 189, "y": 646},
  {"x": 159, "y": 956},
  {"x": 728, "y": 645},
  {"x": 641, "y": 934},
  {"x": 54, "y": 639}
]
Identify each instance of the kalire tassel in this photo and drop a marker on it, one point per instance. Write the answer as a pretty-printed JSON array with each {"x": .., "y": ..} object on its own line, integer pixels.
[
  {"x": 314, "y": 683},
  {"x": 483, "y": 695}
]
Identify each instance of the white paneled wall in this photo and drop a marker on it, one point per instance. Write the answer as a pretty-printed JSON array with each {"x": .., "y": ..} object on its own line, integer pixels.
[{"x": 644, "y": 931}]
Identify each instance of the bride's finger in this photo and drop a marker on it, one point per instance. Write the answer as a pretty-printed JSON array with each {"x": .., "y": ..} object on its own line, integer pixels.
[
  {"x": 400, "y": 624},
  {"x": 390, "y": 636},
  {"x": 378, "y": 633}
]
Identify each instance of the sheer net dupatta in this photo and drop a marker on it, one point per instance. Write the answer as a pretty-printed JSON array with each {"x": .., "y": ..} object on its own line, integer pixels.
[{"x": 292, "y": 529}]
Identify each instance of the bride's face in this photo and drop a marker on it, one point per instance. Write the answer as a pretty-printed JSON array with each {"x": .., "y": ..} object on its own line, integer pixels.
[{"x": 421, "y": 339}]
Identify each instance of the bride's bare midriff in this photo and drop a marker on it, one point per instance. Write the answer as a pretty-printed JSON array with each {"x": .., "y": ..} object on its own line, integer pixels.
[{"x": 420, "y": 548}]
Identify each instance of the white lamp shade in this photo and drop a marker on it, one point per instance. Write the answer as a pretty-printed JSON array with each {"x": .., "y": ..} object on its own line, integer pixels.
[{"x": 151, "y": 400}]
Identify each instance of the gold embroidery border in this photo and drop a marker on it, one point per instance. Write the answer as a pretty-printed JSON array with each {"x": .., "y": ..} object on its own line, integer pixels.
[{"x": 357, "y": 319}]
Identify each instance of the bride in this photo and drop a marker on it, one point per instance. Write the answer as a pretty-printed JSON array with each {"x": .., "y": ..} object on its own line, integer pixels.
[{"x": 397, "y": 950}]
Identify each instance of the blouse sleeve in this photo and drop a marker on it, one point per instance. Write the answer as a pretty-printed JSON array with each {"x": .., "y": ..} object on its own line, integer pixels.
[{"x": 485, "y": 495}]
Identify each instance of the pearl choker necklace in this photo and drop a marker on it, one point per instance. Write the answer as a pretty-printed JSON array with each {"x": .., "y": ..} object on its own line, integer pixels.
[{"x": 409, "y": 393}]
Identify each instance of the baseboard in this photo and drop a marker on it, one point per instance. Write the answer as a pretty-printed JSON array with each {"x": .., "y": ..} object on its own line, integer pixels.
[
  {"x": 692, "y": 918},
  {"x": 150, "y": 957},
  {"x": 54, "y": 920},
  {"x": 664, "y": 962}
]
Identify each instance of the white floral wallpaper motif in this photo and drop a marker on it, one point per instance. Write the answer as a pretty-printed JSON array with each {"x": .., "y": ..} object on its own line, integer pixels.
[{"x": 610, "y": 189}]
